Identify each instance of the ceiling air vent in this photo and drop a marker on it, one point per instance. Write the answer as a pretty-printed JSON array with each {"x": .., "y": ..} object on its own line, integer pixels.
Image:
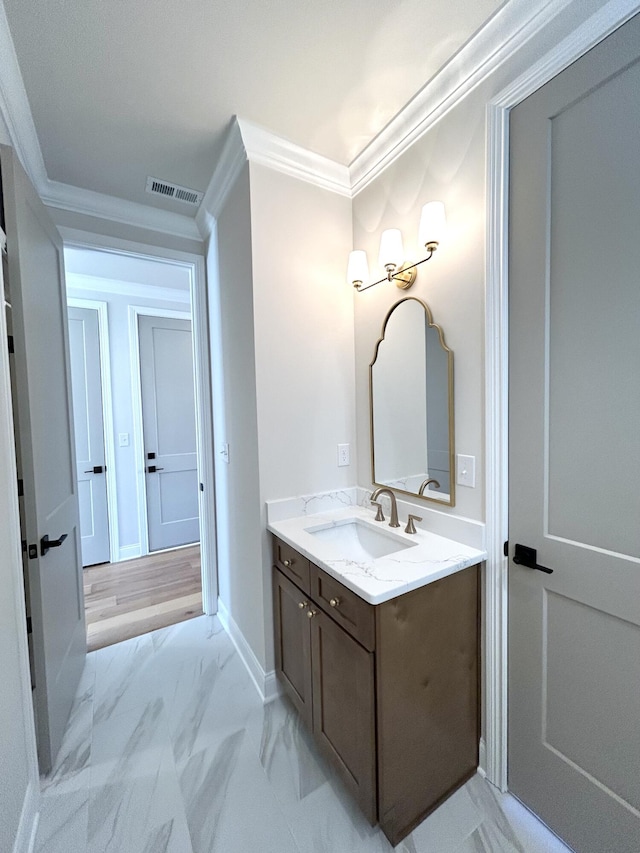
[{"x": 163, "y": 188}]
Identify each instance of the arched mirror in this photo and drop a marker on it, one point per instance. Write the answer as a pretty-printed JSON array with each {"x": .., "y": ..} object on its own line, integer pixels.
[{"x": 411, "y": 405}]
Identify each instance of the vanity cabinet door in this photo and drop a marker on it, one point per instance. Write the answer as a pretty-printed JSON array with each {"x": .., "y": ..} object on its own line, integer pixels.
[
  {"x": 293, "y": 649},
  {"x": 344, "y": 707}
]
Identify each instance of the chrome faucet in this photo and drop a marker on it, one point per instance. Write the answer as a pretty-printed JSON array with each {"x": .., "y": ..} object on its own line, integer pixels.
[
  {"x": 394, "y": 507},
  {"x": 426, "y": 483}
]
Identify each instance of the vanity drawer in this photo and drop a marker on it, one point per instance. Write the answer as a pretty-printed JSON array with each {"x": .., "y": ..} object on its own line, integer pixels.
[
  {"x": 292, "y": 564},
  {"x": 351, "y": 612}
]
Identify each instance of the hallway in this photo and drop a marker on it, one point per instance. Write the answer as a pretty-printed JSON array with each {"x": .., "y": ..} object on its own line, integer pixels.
[
  {"x": 130, "y": 598},
  {"x": 169, "y": 750}
]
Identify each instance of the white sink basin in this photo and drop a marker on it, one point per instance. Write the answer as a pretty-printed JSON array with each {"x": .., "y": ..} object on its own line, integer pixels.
[{"x": 354, "y": 540}]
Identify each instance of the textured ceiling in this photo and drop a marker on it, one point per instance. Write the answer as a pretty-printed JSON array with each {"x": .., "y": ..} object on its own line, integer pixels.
[{"x": 122, "y": 89}]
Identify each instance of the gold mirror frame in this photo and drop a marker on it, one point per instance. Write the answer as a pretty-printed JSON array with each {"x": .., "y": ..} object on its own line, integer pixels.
[{"x": 452, "y": 497}]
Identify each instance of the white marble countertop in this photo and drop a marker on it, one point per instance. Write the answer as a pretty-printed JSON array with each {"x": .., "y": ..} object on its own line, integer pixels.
[{"x": 427, "y": 558}]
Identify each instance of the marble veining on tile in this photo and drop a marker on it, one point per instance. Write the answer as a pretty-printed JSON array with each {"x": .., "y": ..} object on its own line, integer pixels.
[{"x": 181, "y": 756}]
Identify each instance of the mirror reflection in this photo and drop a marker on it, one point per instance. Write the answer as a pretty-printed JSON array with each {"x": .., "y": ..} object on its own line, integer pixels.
[{"x": 411, "y": 405}]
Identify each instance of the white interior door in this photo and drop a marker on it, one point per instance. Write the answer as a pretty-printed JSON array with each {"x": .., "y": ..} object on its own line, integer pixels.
[
  {"x": 45, "y": 423},
  {"x": 574, "y": 460},
  {"x": 84, "y": 350},
  {"x": 169, "y": 426}
]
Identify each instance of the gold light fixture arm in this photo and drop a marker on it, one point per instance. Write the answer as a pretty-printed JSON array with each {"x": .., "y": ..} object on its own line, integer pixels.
[{"x": 404, "y": 277}]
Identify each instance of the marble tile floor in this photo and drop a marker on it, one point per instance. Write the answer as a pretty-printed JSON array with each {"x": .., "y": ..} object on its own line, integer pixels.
[{"x": 169, "y": 750}]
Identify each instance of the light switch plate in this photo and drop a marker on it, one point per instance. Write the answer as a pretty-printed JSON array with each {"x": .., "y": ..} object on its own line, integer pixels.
[
  {"x": 466, "y": 471},
  {"x": 123, "y": 439},
  {"x": 224, "y": 452}
]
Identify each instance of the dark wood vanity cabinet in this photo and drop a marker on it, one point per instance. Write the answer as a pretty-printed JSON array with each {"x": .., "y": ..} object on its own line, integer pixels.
[{"x": 390, "y": 691}]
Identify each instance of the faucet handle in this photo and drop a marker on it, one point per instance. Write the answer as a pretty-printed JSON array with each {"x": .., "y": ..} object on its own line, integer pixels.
[
  {"x": 411, "y": 528},
  {"x": 379, "y": 514}
]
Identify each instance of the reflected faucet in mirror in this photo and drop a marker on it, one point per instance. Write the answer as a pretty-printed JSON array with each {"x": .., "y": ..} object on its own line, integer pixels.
[{"x": 426, "y": 482}]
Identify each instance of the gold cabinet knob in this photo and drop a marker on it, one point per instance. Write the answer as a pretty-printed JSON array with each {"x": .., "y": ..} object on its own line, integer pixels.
[
  {"x": 334, "y": 602},
  {"x": 311, "y": 613},
  {"x": 303, "y": 604}
]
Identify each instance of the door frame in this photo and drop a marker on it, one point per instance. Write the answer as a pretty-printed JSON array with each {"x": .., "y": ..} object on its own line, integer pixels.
[
  {"x": 195, "y": 264},
  {"x": 107, "y": 416},
  {"x": 608, "y": 18},
  {"x": 136, "y": 311}
]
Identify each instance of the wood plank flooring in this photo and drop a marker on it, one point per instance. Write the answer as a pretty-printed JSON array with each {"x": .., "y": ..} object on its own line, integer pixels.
[{"x": 124, "y": 600}]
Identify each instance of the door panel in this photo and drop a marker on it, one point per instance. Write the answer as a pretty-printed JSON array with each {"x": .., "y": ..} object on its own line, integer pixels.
[
  {"x": 344, "y": 707},
  {"x": 574, "y": 422},
  {"x": 169, "y": 424},
  {"x": 84, "y": 344},
  {"x": 44, "y": 418},
  {"x": 293, "y": 644}
]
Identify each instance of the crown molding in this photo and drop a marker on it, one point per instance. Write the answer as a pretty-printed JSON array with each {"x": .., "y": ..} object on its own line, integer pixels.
[
  {"x": 228, "y": 167},
  {"x": 90, "y": 203},
  {"x": 78, "y": 283},
  {"x": 276, "y": 153},
  {"x": 15, "y": 108},
  {"x": 247, "y": 142},
  {"x": 507, "y": 31}
]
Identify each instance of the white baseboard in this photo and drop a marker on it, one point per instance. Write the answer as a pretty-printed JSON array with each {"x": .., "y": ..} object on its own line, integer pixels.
[
  {"x": 482, "y": 759},
  {"x": 26, "y": 837},
  {"x": 272, "y": 688},
  {"x": 264, "y": 682},
  {"x": 128, "y": 552}
]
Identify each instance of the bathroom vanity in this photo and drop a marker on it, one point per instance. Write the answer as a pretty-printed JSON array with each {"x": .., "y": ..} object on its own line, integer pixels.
[{"x": 380, "y": 658}]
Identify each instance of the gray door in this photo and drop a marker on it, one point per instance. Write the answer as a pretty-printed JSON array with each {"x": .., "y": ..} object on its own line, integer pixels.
[
  {"x": 169, "y": 426},
  {"x": 574, "y": 457},
  {"x": 84, "y": 344},
  {"x": 44, "y": 419}
]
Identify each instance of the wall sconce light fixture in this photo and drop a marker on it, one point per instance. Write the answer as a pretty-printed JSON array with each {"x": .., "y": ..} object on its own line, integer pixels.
[{"x": 391, "y": 256}]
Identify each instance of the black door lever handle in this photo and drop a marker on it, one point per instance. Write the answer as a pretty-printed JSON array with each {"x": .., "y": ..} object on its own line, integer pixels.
[
  {"x": 528, "y": 557},
  {"x": 97, "y": 469},
  {"x": 46, "y": 544}
]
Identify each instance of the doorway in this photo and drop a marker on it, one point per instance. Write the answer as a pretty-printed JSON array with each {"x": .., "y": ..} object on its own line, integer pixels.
[{"x": 123, "y": 291}]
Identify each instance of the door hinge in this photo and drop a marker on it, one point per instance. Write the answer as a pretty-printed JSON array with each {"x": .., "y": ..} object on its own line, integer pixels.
[
  {"x": 505, "y": 549},
  {"x": 20, "y": 488},
  {"x": 24, "y": 546},
  {"x": 12, "y": 348},
  {"x": 29, "y": 625}
]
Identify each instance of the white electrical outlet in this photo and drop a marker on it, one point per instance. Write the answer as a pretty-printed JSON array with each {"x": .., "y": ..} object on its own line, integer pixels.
[
  {"x": 466, "y": 471},
  {"x": 343, "y": 455}
]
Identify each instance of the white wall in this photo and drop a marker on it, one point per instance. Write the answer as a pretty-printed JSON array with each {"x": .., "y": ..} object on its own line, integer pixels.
[
  {"x": 121, "y": 356},
  {"x": 447, "y": 163},
  {"x": 282, "y": 315},
  {"x": 230, "y": 277},
  {"x": 120, "y": 231},
  {"x": 303, "y": 322}
]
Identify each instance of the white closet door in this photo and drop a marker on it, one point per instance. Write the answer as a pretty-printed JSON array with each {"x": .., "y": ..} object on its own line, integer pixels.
[
  {"x": 84, "y": 347},
  {"x": 169, "y": 426}
]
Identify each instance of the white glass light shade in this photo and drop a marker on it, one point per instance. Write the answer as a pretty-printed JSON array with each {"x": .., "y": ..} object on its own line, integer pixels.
[
  {"x": 358, "y": 268},
  {"x": 391, "y": 250},
  {"x": 433, "y": 223}
]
